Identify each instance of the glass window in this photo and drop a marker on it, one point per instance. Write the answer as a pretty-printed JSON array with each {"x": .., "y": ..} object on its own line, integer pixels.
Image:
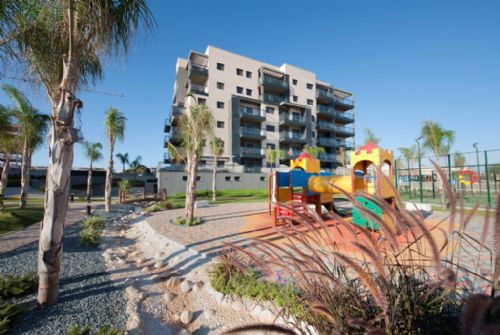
[
  {"x": 220, "y": 66},
  {"x": 310, "y": 102},
  {"x": 239, "y": 90},
  {"x": 239, "y": 72},
  {"x": 202, "y": 101},
  {"x": 249, "y": 92},
  {"x": 309, "y": 86},
  {"x": 294, "y": 81},
  {"x": 270, "y": 110},
  {"x": 295, "y": 98},
  {"x": 220, "y": 86},
  {"x": 220, "y": 104},
  {"x": 249, "y": 74},
  {"x": 270, "y": 128},
  {"x": 220, "y": 124}
]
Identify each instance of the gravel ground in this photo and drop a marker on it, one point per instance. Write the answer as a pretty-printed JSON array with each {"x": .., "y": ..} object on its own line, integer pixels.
[{"x": 87, "y": 296}]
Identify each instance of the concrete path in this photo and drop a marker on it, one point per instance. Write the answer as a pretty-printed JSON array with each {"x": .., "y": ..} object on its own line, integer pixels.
[{"x": 16, "y": 239}]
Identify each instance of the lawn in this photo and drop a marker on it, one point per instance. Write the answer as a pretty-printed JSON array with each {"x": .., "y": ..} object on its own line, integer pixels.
[
  {"x": 224, "y": 196},
  {"x": 13, "y": 218}
]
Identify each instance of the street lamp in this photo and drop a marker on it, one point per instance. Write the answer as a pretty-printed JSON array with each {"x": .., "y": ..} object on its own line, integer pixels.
[
  {"x": 418, "y": 139},
  {"x": 476, "y": 146}
]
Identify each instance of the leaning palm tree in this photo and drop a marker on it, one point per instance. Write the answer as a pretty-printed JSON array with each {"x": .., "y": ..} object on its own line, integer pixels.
[
  {"x": 439, "y": 140},
  {"x": 409, "y": 153},
  {"x": 314, "y": 151},
  {"x": 123, "y": 158},
  {"x": 370, "y": 137},
  {"x": 272, "y": 155},
  {"x": 62, "y": 44},
  {"x": 93, "y": 153},
  {"x": 115, "y": 128},
  {"x": 32, "y": 129},
  {"x": 217, "y": 149}
]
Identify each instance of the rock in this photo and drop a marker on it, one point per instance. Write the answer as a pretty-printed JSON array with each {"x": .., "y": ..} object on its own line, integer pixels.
[
  {"x": 155, "y": 277},
  {"x": 184, "y": 332},
  {"x": 120, "y": 260},
  {"x": 266, "y": 316},
  {"x": 237, "y": 305},
  {"x": 146, "y": 269},
  {"x": 168, "y": 297},
  {"x": 159, "y": 255},
  {"x": 219, "y": 297},
  {"x": 208, "y": 314},
  {"x": 176, "y": 316},
  {"x": 186, "y": 317},
  {"x": 164, "y": 274},
  {"x": 173, "y": 282},
  {"x": 255, "y": 311},
  {"x": 198, "y": 286},
  {"x": 160, "y": 264},
  {"x": 141, "y": 260},
  {"x": 186, "y": 286}
]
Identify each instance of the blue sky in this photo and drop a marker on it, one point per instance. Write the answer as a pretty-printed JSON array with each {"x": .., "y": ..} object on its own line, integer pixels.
[{"x": 405, "y": 62}]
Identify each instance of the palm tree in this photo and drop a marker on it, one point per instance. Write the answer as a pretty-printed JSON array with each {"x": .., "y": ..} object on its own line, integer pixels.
[
  {"x": 217, "y": 149},
  {"x": 123, "y": 159},
  {"x": 459, "y": 159},
  {"x": 115, "y": 128},
  {"x": 409, "y": 153},
  {"x": 273, "y": 154},
  {"x": 370, "y": 137},
  {"x": 93, "y": 153},
  {"x": 32, "y": 129},
  {"x": 62, "y": 44},
  {"x": 135, "y": 165},
  {"x": 314, "y": 151},
  {"x": 8, "y": 145},
  {"x": 439, "y": 140}
]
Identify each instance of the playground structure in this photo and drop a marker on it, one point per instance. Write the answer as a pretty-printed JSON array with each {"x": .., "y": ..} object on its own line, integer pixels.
[{"x": 292, "y": 192}]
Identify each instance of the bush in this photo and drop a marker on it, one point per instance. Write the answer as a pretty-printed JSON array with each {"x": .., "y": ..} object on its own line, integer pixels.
[
  {"x": 124, "y": 185},
  {"x": 86, "y": 330},
  {"x": 17, "y": 286},
  {"x": 182, "y": 221},
  {"x": 97, "y": 222},
  {"x": 8, "y": 312},
  {"x": 90, "y": 236}
]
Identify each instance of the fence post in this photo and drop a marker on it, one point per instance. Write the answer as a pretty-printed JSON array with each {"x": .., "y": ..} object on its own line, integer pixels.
[
  {"x": 495, "y": 181},
  {"x": 449, "y": 169},
  {"x": 420, "y": 175},
  {"x": 487, "y": 177},
  {"x": 396, "y": 174},
  {"x": 433, "y": 187}
]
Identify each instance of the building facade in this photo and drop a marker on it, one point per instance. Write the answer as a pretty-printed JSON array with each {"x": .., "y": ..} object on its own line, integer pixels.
[{"x": 257, "y": 106}]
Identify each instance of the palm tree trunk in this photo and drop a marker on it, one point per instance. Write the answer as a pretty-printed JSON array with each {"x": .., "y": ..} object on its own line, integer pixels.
[
  {"x": 25, "y": 177},
  {"x": 214, "y": 197},
  {"x": 5, "y": 174},
  {"x": 191, "y": 187},
  {"x": 89, "y": 182},
  {"x": 109, "y": 179}
]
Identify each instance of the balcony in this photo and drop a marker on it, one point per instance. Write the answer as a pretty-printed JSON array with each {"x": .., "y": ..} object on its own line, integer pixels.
[
  {"x": 198, "y": 73},
  {"x": 292, "y": 119},
  {"x": 276, "y": 84},
  {"x": 344, "y": 103},
  {"x": 327, "y": 157},
  {"x": 291, "y": 153},
  {"x": 166, "y": 158},
  {"x": 252, "y": 114},
  {"x": 344, "y": 117},
  {"x": 252, "y": 152},
  {"x": 166, "y": 126},
  {"x": 198, "y": 89},
  {"x": 322, "y": 125},
  {"x": 324, "y": 95},
  {"x": 344, "y": 131},
  {"x": 252, "y": 133},
  {"x": 327, "y": 141},
  {"x": 292, "y": 137},
  {"x": 325, "y": 111},
  {"x": 274, "y": 99},
  {"x": 348, "y": 145}
]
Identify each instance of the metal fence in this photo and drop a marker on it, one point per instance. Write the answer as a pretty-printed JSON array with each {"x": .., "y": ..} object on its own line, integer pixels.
[{"x": 473, "y": 175}]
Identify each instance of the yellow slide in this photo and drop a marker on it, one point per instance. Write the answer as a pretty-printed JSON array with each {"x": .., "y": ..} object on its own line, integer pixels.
[{"x": 323, "y": 184}]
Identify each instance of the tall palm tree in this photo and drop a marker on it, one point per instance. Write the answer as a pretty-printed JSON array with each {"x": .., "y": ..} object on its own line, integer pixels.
[
  {"x": 409, "y": 153},
  {"x": 62, "y": 44},
  {"x": 135, "y": 165},
  {"x": 439, "y": 140},
  {"x": 217, "y": 149},
  {"x": 459, "y": 159},
  {"x": 272, "y": 155},
  {"x": 123, "y": 158},
  {"x": 115, "y": 128},
  {"x": 9, "y": 145},
  {"x": 93, "y": 153},
  {"x": 33, "y": 126},
  {"x": 314, "y": 151},
  {"x": 370, "y": 137}
]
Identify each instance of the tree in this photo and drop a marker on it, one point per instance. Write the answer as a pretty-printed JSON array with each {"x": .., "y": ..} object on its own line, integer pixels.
[
  {"x": 439, "y": 140},
  {"x": 32, "y": 129},
  {"x": 217, "y": 149},
  {"x": 458, "y": 159},
  {"x": 115, "y": 128},
  {"x": 62, "y": 44},
  {"x": 123, "y": 159},
  {"x": 9, "y": 145},
  {"x": 135, "y": 165},
  {"x": 93, "y": 153},
  {"x": 272, "y": 155},
  {"x": 409, "y": 153},
  {"x": 314, "y": 151},
  {"x": 370, "y": 137}
]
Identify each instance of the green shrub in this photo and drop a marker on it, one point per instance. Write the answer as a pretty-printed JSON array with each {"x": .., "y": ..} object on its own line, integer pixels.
[
  {"x": 86, "y": 330},
  {"x": 124, "y": 185},
  {"x": 158, "y": 207},
  {"x": 90, "y": 236},
  {"x": 17, "y": 286},
  {"x": 8, "y": 312},
  {"x": 97, "y": 222},
  {"x": 182, "y": 221}
]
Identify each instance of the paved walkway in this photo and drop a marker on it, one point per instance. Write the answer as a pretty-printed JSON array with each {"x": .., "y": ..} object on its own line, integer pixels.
[{"x": 16, "y": 239}]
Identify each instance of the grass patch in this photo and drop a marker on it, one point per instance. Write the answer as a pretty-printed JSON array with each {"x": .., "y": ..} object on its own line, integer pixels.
[
  {"x": 164, "y": 205},
  {"x": 86, "y": 330},
  {"x": 243, "y": 193},
  {"x": 91, "y": 232},
  {"x": 13, "y": 218},
  {"x": 182, "y": 221}
]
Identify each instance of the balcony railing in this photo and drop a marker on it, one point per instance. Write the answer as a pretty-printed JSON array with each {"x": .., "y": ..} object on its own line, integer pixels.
[
  {"x": 344, "y": 116},
  {"x": 327, "y": 157},
  {"x": 274, "y": 99},
  {"x": 292, "y": 153},
  {"x": 176, "y": 110},
  {"x": 322, "y": 109},
  {"x": 284, "y": 135},
  {"x": 246, "y": 151},
  {"x": 198, "y": 69},
  {"x": 249, "y": 111},
  {"x": 328, "y": 141},
  {"x": 268, "y": 80},
  {"x": 292, "y": 118},
  {"x": 346, "y": 144},
  {"x": 324, "y": 93},
  {"x": 326, "y": 125},
  {"x": 344, "y": 130},
  {"x": 198, "y": 89},
  {"x": 346, "y": 102},
  {"x": 254, "y": 132}
]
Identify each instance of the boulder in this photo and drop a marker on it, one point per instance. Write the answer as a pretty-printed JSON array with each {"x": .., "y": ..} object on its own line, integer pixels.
[
  {"x": 186, "y": 317},
  {"x": 186, "y": 286}
]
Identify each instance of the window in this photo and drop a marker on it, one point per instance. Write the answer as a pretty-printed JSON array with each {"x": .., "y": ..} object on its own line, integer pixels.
[
  {"x": 270, "y": 128},
  {"x": 249, "y": 92},
  {"x": 184, "y": 178},
  {"x": 228, "y": 178},
  {"x": 220, "y": 124},
  {"x": 309, "y": 86},
  {"x": 220, "y": 164},
  {"x": 295, "y": 98},
  {"x": 310, "y": 102},
  {"x": 198, "y": 178},
  {"x": 270, "y": 110},
  {"x": 271, "y": 145},
  {"x": 220, "y": 86},
  {"x": 220, "y": 66},
  {"x": 202, "y": 101},
  {"x": 220, "y": 104},
  {"x": 239, "y": 72},
  {"x": 239, "y": 90},
  {"x": 249, "y": 74},
  {"x": 314, "y": 134},
  {"x": 262, "y": 178},
  {"x": 236, "y": 178},
  {"x": 294, "y": 81},
  {"x": 312, "y": 118}
]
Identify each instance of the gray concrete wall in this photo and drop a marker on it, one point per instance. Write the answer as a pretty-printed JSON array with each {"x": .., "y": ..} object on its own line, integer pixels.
[{"x": 175, "y": 181}]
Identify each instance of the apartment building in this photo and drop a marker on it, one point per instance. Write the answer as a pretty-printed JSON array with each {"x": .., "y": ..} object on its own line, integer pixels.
[{"x": 257, "y": 106}]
